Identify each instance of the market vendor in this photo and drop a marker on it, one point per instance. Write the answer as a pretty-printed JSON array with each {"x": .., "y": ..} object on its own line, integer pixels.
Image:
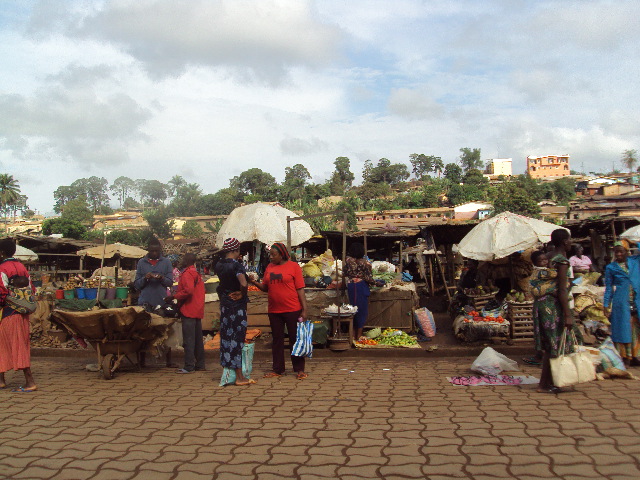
[
  {"x": 154, "y": 274},
  {"x": 580, "y": 262},
  {"x": 358, "y": 277}
]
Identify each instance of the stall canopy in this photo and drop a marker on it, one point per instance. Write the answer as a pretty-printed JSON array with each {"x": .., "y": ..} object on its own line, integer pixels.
[
  {"x": 265, "y": 223},
  {"x": 504, "y": 234},
  {"x": 112, "y": 250},
  {"x": 25, "y": 255}
]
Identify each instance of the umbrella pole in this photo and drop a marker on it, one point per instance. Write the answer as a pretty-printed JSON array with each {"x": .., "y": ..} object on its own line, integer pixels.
[{"x": 104, "y": 252}]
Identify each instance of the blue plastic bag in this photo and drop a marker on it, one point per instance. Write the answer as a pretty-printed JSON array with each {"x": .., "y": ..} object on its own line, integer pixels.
[
  {"x": 229, "y": 374},
  {"x": 304, "y": 344}
]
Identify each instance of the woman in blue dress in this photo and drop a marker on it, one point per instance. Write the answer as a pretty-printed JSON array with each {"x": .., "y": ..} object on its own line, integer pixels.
[
  {"x": 232, "y": 292},
  {"x": 622, "y": 299}
]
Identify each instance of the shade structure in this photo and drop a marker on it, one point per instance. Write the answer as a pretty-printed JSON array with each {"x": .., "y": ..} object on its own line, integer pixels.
[
  {"x": 632, "y": 234},
  {"x": 504, "y": 234},
  {"x": 113, "y": 249},
  {"x": 265, "y": 223},
  {"x": 25, "y": 255}
]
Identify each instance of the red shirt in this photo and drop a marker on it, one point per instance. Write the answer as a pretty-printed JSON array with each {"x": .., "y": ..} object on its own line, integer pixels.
[
  {"x": 283, "y": 282},
  {"x": 9, "y": 268},
  {"x": 191, "y": 290}
]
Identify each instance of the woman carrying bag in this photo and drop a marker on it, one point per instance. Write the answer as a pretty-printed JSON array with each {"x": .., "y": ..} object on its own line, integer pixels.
[
  {"x": 284, "y": 284},
  {"x": 551, "y": 311}
]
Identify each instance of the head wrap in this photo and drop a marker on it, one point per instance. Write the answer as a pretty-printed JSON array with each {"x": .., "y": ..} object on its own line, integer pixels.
[
  {"x": 230, "y": 244},
  {"x": 281, "y": 248},
  {"x": 623, "y": 243}
]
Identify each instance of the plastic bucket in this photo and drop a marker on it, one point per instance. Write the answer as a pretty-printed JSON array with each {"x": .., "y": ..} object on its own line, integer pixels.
[
  {"x": 122, "y": 292},
  {"x": 69, "y": 294},
  {"x": 90, "y": 293},
  {"x": 80, "y": 292},
  {"x": 110, "y": 294},
  {"x": 60, "y": 294}
]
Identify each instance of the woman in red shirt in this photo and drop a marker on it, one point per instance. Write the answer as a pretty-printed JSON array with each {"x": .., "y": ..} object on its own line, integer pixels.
[
  {"x": 287, "y": 304},
  {"x": 15, "y": 347}
]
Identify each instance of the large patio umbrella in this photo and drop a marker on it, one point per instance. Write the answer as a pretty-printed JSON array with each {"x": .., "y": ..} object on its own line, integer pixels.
[
  {"x": 632, "y": 234},
  {"x": 265, "y": 223},
  {"x": 25, "y": 255},
  {"x": 111, "y": 250},
  {"x": 504, "y": 234}
]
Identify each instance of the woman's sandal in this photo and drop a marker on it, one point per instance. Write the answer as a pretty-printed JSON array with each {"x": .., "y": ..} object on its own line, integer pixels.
[
  {"x": 272, "y": 375},
  {"x": 302, "y": 375},
  {"x": 24, "y": 390},
  {"x": 250, "y": 381}
]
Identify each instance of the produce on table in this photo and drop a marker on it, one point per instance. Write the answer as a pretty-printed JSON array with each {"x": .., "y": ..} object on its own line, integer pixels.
[
  {"x": 519, "y": 297},
  {"x": 373, "y": 333},
  {"x": 367, "y": 341},
  {"x": 396, "y": 338}
]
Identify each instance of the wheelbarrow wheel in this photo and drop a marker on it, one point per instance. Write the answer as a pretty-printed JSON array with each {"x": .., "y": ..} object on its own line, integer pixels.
[{"x": 108, "y": 361}]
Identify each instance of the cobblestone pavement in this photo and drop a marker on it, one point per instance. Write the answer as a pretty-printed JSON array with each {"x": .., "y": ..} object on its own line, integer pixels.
[{"x": 351, "y": 419}]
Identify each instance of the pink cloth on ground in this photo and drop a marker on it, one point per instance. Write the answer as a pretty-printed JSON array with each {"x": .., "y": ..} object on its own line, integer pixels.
[{"x": 15, "y": 348}]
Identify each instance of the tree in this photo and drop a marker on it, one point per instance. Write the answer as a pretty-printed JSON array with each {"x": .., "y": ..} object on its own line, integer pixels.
[
  {"x": 366, "y": 170},
  {"x": 185, "y": 200},
  {"x": 152, "y": 192},
  {"x": 475, "y": 177},
  {"x": 254, "y": 182},
  {"x": 65, "y": 227},
  {"x": 564, "y": 190},
  {"x": 191, "y": 229},
  {"x": 423, "y": 164},
  {"x": 369, "y": 190},
  {"x": 453, "y": 173},
  {"x": 509, "y": 197},
  {"x": 122, "y": 187},
  {"x": 131, "y": 204},
  {"x": 77, "y": 210},
  {"x": 95, "y": 189},
  {"x": 437, "y": 166},
  {"x": 342, "y": 177},
  {"x": 470, "y": 159},
  {"x": 458, "y": 194},
  {"x": 62, "y": 195},
  {"x": 175, "y": 183},
  {"x": 9, "y": 194},
  {"x": 295, "y": 180},
  {"x": 158, "y": 220},
  {"x": 220, "y": 203},
  {"x": 630, "y": 159},
  {"x": 387, "y": 172}
]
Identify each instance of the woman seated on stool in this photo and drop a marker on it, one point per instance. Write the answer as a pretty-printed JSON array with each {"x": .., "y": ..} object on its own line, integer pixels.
[{"x": 357, "y": 275}]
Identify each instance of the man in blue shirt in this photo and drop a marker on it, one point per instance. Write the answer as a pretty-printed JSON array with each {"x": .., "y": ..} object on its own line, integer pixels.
[{"x": 154, "y": 274}]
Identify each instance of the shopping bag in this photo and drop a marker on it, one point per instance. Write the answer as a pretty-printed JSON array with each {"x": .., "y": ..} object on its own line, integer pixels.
[
  {"x": 304, "y": 344},
  {"x": 609, "y": 356},
  {"x": 425, "y": 322},
  {"x": 584, "y": 364},
  {"x": 490, "y": 362},
  {"x": 229, "y": 374}
]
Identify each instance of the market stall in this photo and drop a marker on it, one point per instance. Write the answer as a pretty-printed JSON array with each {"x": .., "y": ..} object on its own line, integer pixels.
[{"x": 493, "y": 300}]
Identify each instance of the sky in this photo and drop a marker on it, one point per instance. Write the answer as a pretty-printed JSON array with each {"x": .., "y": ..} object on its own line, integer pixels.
[{"x": 208, "y": 89}]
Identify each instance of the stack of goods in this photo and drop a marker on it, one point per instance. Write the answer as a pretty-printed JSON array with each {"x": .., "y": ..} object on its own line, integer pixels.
[
  {"x": 72, "y": 284},
  {"x": 384, "y": 271},
  {"x": 389, "y": 337},
  {"x": 472, "y": 325},
  {"x": 322, "y": 271},
  {"x": 478, "y": 297},
  {"x": 520, "y": 313}
]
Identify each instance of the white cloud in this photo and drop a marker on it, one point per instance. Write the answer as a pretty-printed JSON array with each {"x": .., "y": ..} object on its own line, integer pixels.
[
  {"x": 299, "y": 146},
  {"x": 413, "y": 104}
]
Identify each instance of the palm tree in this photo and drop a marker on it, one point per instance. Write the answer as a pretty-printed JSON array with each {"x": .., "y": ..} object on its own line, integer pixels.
[
  {"x": 175, "y": 183},
  {"x": 9, "y": 194},
  {"x": 630, "y": 159}
]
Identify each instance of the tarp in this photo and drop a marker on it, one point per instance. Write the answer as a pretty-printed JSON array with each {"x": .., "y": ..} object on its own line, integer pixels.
[
  {"x": 265, "y": 223},
  {"x": 632, "y": 234},
  {"x": 113, "y": 249},
  {"x": 504, "y": 234},
  {"x": 25, "y": 255}
]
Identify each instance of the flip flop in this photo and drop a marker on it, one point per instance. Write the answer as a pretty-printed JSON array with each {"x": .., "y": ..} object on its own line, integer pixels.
[
  {"x": 532, "y": 361},
  {"x": 249, "y": 381},
  {"x": 272, "y": 375},
  {"x": 183, "y": 371},
  {"x": 24, "y": 390},
  {"x": 302, "y": 375},
  {"x": 4, "y": 387}
]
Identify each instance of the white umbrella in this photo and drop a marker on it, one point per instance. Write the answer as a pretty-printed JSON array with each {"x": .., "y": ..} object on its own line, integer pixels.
[
  {"x": 633, "y": 234},
  {"x": 265, "y": 223},
  {"x": 25, "y": 255},
  {"x": 111, "y": 250},
  {"x": 504, "y": 234}
]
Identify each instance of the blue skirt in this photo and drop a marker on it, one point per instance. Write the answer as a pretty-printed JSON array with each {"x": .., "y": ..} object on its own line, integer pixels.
[
  {"x": 233, "y": 328},
  {"x": 359, "y": 296}
]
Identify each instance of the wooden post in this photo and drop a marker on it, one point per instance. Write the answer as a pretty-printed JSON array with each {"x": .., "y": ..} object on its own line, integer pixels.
[
  {"x": 432, "y": 286},
  {"x": 289, "y": 234},
  {"x": 400, "y": 258},
  {"x": 613, "y": 231},
  {"x": 365, "y": 245},
  {"x": 442, "y": 274},
  {"x": 344, "y": 249}
]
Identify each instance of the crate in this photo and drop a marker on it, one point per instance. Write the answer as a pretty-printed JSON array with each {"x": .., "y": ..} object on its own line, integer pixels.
[
  {"x": 479, "y": 301},
  {"x": 520, "y": 316}
]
